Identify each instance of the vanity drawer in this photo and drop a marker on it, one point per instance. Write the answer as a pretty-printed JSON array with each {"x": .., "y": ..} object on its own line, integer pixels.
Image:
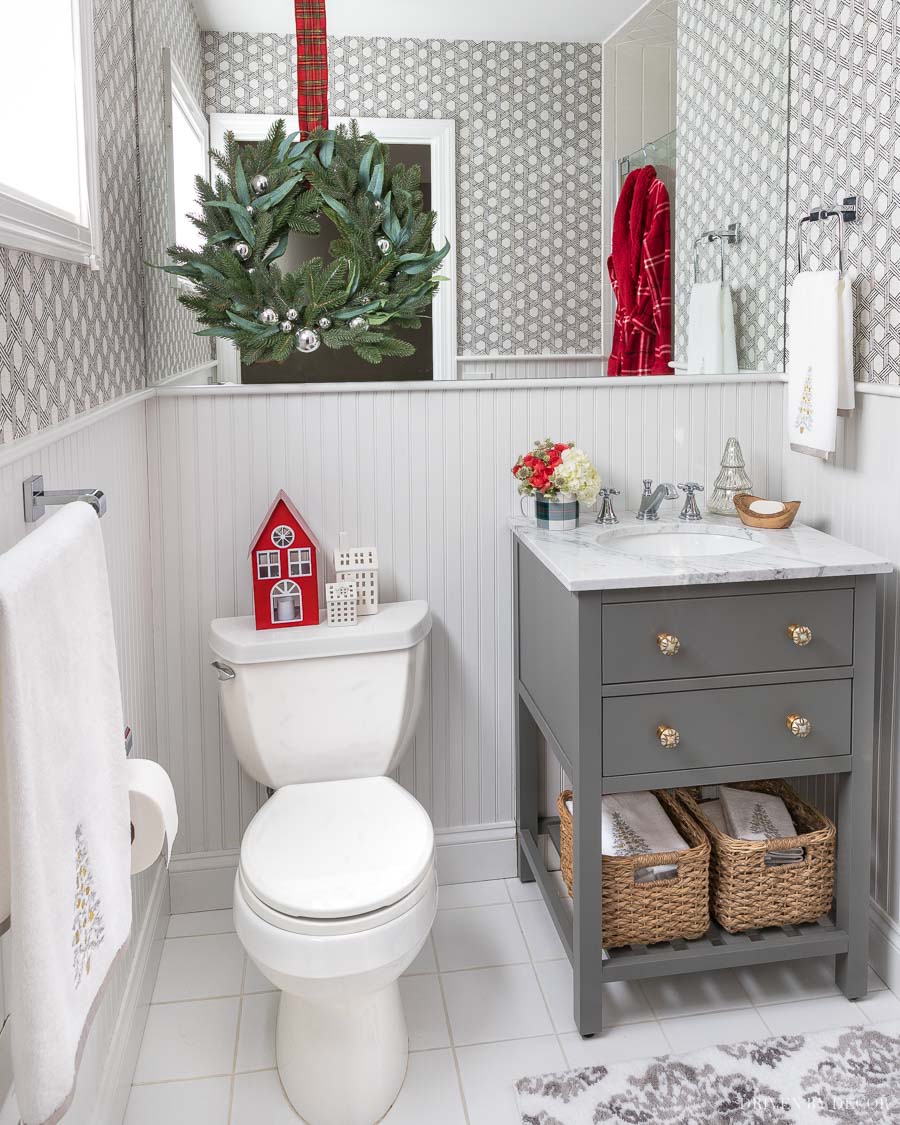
[
  {"x": 725, "y": 726},
  {"x": 727, "y": 635}
]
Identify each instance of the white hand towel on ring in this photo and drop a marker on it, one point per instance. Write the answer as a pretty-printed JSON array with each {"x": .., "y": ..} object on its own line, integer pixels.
[{"x": 712, "y": 347}]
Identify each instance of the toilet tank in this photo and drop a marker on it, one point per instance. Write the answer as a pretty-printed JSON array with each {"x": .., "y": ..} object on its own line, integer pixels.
[{"x": 318, "y": 702}]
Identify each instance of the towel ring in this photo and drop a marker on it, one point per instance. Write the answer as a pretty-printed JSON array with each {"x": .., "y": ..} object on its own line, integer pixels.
[
  {"x": 814, "y": 217},
  {"x": 731, "y": 236}
]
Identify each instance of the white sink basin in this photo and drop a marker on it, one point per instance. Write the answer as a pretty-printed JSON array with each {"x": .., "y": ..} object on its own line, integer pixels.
[{"x": 679, "y": 543}]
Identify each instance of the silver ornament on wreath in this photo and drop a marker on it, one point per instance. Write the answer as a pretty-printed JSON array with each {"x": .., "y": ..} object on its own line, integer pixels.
[
  {"x": 268, "y": 316},
  {"x": 378, "y": 205},
  {"x": 307, "y": 340},
  {"x": 291, "y": 314},
  {"x": 259, "y": 184},
  {"x": 286, "y": 326},
  {"x": 324, "y": 323},
  {"x": 243, "y": 251},
  {"x": 384, "y": 245},
  {"x": 359, "y": 322}
]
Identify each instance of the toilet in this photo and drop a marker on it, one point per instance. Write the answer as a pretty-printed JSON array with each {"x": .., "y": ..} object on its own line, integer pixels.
[{"x": 336, "y": 890}]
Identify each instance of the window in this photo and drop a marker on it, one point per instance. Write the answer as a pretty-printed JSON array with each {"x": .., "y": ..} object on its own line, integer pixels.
[
  {"x": 287, "y": 602},
  {"x": 268, "y": 564},
  {"x": 187, "y": 144},
  {"x": 283, "y": 537},
  {"x": 300, "y": 562},
  {"x": 49, "y": 196}
]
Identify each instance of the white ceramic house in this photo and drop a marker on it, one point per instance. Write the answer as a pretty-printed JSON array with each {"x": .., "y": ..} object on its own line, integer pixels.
[
  {"x": 359, "y": 565},
  {"x": 340, "y": 601}
]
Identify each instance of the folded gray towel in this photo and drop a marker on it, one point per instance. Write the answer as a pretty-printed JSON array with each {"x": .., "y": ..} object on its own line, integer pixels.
[{"x": 765, "y": 816}]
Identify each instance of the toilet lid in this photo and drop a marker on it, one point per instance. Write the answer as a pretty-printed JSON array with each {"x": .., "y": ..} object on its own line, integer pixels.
[{"x": 333, "y": 849}]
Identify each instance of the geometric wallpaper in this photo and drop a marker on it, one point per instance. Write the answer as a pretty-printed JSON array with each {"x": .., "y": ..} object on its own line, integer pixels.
[
  {"x": 71, "y": 338},
  {"x": 732, "y": 119},
  {"x": 171, "y": 343},
  {"x": 528, "y": 164},
  {"x": 845, "y": 140}
]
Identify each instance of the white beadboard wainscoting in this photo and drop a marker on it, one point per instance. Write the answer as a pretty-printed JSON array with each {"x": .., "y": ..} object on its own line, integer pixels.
[
  {"x": 574, "y": 366},
  {"x": 424, "y": 474},
  {"x": 107, "y": 449},
  {"x": 856, "y": 498}
]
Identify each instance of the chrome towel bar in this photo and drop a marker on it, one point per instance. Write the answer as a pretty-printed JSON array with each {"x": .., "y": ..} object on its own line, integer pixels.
[{"x": 36, "y": 499}]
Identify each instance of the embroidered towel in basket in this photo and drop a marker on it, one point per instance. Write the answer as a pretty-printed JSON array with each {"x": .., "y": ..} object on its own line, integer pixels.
[
  {"x": 636, "y": 824},
  {"x": 64, "y": 820}
]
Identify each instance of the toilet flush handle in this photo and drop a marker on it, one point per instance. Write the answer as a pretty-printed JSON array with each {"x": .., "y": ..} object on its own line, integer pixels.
[{"x": 225, "y": 673}]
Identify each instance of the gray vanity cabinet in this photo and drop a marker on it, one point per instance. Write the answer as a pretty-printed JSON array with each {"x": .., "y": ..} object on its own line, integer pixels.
[{"x": 759, "y": 680}]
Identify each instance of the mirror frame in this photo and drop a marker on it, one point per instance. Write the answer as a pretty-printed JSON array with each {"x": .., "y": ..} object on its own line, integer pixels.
[{"x": 440, "y": 136}]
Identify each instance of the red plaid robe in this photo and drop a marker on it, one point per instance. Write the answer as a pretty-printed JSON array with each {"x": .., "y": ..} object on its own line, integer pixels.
[{"x": 640, "y": 271}]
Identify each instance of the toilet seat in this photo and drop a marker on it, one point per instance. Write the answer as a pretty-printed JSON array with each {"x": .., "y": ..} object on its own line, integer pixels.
[
  {"x": 336, "y": 856},
  {"x": 336, "y": 927}
]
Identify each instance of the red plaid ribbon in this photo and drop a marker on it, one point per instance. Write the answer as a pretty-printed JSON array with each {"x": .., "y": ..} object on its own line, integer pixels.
[{"x": 312, "y": 65}]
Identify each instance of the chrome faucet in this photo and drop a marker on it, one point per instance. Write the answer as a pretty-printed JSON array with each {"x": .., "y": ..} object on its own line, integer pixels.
[
  {"x": 653, "y": 498},
  {"x": 607, "y": 513},
  {"x": 690, "y": 511}
]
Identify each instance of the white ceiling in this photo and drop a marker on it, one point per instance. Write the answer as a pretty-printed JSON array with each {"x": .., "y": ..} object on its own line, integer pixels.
[{"x": 560, "y": 21}]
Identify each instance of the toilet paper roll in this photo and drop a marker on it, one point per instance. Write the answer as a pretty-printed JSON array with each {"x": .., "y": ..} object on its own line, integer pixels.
[{"x": 154, "y": 815}]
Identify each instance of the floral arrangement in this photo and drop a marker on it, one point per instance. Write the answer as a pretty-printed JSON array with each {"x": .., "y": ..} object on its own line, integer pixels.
[{"x": 553, "y": 469}]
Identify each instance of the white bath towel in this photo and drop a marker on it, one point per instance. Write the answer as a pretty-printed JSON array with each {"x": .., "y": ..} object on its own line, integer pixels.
[
  {"x": 749, "y": 815},
  {"x": 820, "y": 360},
  {"x": 637, "y": 824},
  {"x": 64, "y": 797},
  {"x": 712, "y": 347}
]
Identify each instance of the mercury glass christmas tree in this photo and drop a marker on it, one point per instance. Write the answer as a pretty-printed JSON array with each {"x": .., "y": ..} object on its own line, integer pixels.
[{"x": 731, "y": 480}]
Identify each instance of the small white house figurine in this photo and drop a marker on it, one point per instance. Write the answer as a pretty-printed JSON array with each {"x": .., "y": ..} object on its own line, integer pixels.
[
  {"x": 359, "y": 565},
  {"x": 340, "y": 600}
]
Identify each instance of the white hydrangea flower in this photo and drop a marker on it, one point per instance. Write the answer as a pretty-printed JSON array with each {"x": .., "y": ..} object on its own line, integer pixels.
[{"x": 577, "y": 476}]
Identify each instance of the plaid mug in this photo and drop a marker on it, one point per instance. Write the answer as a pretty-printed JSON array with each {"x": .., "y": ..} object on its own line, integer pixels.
[{"x": 559, "y": 514}]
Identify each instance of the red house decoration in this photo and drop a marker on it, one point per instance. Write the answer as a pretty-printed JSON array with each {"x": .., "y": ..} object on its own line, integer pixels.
[{"x": 285, "y": 569}]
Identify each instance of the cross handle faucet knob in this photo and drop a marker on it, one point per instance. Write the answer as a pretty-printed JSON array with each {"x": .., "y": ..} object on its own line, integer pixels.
[
  {"x": 607, "y": 513},
  {"x": 690, "y": 512}
]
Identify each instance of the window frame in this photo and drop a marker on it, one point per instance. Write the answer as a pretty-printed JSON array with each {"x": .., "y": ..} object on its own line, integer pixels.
[
  {"x": 296, "y": 593},
  {"x": 28, "y": 223},
  {"x": 269, "y": 565},
  {"x": 303, "y": 562},
  {"x": 176, "y": 88},
  {"x": 440, "y": 136},
  {"x": 286, "y": 545}
]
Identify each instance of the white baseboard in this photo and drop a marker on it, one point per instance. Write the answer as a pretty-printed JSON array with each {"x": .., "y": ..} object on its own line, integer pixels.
[
  {"x": 884, "y": 947},
  {"x": 205, "y": 880},
  {"x": 118, "y": 1069}
]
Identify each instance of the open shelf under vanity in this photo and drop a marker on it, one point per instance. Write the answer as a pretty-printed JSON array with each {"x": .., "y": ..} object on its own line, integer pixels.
[{"x": 590, "y": 696}]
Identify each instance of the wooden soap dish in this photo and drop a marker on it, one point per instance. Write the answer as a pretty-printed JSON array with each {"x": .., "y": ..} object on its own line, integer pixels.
[{"x": 776, "y": 522}]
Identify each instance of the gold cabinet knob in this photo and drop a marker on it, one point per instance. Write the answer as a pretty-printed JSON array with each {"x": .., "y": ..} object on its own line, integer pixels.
[
  {"x": 668, "y": 644},
  {"x": 801, "y": 635},
  {"x": 668, "y": 737},
  {"x": 799, "y": 726}
]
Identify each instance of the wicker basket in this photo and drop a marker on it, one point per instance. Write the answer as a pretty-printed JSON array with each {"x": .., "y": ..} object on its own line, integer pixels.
[
  {"x": 642, "y": 913},
  {"x": 747, "y": 895}
]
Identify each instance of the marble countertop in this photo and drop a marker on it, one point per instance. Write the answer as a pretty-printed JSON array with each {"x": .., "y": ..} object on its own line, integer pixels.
[{"x": 589, "y": 559}]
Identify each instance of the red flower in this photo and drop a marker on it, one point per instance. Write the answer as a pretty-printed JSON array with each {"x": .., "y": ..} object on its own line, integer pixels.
[{"x": 560, "y": 446}]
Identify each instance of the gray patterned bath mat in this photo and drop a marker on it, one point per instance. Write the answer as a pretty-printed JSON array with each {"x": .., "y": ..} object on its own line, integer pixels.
[{"x": 850, "y": 1076}]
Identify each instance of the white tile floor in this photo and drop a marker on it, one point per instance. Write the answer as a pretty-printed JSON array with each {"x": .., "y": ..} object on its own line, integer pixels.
[{"x": 487, "y": 1001}]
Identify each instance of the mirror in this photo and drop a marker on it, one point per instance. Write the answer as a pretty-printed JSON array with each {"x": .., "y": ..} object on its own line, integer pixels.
[{"x": 614, "y": 206}]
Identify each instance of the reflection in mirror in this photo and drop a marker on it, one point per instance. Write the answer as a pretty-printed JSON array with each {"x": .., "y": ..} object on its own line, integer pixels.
[
  {"x": 696, "y": 116},
  {"x": 614, "y": 206}
]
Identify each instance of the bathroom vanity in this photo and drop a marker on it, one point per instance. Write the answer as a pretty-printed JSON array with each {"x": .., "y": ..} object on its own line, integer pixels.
[{"x": 657, "y": 655}]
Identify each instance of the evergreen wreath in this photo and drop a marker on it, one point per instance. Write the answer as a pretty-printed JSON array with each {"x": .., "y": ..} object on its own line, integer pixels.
[{"x": 381, "y": 276}]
